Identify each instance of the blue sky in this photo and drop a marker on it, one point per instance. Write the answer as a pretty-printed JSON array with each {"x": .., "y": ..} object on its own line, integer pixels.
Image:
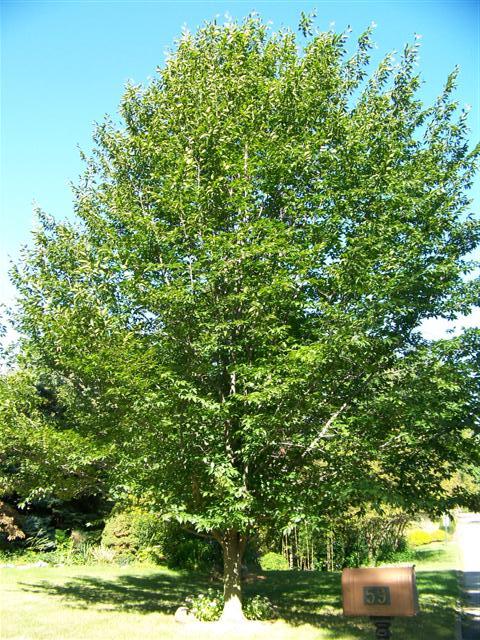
[{"x": 64, "y": 66}]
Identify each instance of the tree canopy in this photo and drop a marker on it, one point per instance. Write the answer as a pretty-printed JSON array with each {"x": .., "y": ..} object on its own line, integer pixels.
[
  {"x": 235, "y": 312},
  {"x": 41, "y": 454}
]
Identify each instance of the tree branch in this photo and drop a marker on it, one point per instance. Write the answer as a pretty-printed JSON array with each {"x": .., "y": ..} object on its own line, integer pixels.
[{"x": 324, "y": 430}]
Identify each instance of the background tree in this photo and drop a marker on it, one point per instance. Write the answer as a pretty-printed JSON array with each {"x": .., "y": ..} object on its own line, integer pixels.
[
  {"x": 41, "y": 454},
  {"x": 236, "y": 313}
]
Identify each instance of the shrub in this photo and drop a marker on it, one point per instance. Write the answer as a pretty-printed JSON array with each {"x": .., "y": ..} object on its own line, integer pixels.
[
  {"x": 43, "y": 540},
  {"x": 40, "y": 533},
  {"x": 273, "y": 562},
  {"x": 129, "y": 531},
  {"x": 350, "y": 539},
  {"x": 208, "y": 607},
  {"x": 81, "y": 553},
  {"x": 251, "y": 557},
  {"x": 10, "y": 524},
  {"x": 417, "y": 537},
  {"x": 61, "y": 537},
  {"x": 103, "y": 554},
  {"x": 145, "y": 537},
  {"x": 259, "y": 608},
  {"x": 153, "y": 554},
  {"x": 184, "y": 550},
  {"x": 16, "y": 555}
]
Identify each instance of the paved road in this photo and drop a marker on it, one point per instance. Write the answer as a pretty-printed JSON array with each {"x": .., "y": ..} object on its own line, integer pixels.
[{"x": 468, "y": 539}]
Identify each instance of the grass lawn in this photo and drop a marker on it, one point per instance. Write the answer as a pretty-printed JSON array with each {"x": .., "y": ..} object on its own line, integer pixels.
[{"x": 107, "y": 602}]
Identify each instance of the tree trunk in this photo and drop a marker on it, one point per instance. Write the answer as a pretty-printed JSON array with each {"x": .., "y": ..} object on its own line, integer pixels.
[{"x": 233, "y": 548}]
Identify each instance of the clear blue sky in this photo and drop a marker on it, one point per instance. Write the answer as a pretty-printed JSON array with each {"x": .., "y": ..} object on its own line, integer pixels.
[{"x": 64, "y": 65}]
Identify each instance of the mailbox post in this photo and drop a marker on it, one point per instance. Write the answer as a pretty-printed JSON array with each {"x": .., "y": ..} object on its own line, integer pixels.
[
  {"x": 381, "y": 593},
  {"x": 382, "y": 627}
]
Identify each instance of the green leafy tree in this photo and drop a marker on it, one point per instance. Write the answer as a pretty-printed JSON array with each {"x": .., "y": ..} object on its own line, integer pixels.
[
  {"x": 258, "y": 242},
  {"x": 40, "y": 453}
]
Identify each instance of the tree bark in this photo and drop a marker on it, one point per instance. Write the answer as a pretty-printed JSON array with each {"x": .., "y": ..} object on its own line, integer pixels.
[{"x": 233, "y": 545}]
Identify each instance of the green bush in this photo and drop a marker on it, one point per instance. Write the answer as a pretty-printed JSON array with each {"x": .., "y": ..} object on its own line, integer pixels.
[
  {"x": 21, "y": 555},
  {"x": 208, "y": 607},
  {"x": 259, "y": 608},
  {"x": 151, "y": 555},
  {"x": 417, "y": 537},
  {"x": 273, "y": 562},
  {"x": 61, "y": 537},
  {"x": 136, "y": 534},
  {"x": 128, "y": 532}
]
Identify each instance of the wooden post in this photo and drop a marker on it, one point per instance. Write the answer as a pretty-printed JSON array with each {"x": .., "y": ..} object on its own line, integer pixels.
[{"x": 382, "y": 627}]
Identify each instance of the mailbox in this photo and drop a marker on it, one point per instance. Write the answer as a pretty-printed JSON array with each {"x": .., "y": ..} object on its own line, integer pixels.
[{"x": 383, "y": 592}]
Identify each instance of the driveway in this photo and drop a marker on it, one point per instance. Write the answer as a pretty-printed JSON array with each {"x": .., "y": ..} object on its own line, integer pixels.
[{"x": 468, "y": 539}]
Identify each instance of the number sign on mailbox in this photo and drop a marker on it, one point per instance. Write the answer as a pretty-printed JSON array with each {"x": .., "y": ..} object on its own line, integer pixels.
[
  {"x": 376, "y": 595},
  {"x": 382, "y": 591}
]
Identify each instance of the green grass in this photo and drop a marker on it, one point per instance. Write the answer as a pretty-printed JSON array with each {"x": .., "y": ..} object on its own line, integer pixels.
[{"x": 120, "y": 603}]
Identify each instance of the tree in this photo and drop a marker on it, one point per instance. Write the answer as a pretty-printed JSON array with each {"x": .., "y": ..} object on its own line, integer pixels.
[
  {"x": 40, "y": 453},
  {"x": 257, "y": 243}
]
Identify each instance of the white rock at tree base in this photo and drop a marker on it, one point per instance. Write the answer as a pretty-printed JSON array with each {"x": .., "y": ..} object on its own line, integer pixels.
[{"x": 183, "y": 615}]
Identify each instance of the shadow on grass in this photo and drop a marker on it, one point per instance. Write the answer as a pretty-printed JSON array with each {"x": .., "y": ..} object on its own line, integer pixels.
[
  {"x": 420, "y": 555},
  {"x": 301, "y": 598},
  {"x": 315, "y": 598},
  {"x": 156, "y": 592}
]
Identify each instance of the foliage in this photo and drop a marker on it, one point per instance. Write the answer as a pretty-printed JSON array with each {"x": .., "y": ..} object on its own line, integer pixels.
[
  {"x": 73, "y": 554},
  {"x": 233, "y": 322},
  {"x": 127, "y": 532},
  {"x": 259, "y": 608},
  {"x": 251, "y": 556},
  {"x": 131, "y": 531},
  {"x": 418, "y": 537},
  {"x": 145, "y": 555},
  {"x": 184, "y": 550},
  {"x": 41, "y": 540},
  {"x": 371, "y": 538},
  {"x": 102, "y": 555},
  {"x": 14, "y": 555},
  {"x": 464, "y": 482},
  {"x": 44, "y": 550},
  {"x": 208, "y": 606},
  {"x": 41, "y": 453},
  {"x": 350, "y": 539},
  {"x": 45, "y": 542},
  {"x": 273, "y": 561}
]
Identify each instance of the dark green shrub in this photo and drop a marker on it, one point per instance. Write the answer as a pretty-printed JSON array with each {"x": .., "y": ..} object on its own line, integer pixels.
[
  {"x": 259, "y": 608},
  {"x": 351, "y": 551},
  {"x": 61, "y": 537},
  {"x": 40, "y": 533},
  {"x": 251, "y": 558},
  {"x": 184, "y": 550}
]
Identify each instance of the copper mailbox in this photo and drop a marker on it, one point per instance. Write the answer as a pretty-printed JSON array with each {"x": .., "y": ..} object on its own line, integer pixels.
[{"x": 380, "y": 591}]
